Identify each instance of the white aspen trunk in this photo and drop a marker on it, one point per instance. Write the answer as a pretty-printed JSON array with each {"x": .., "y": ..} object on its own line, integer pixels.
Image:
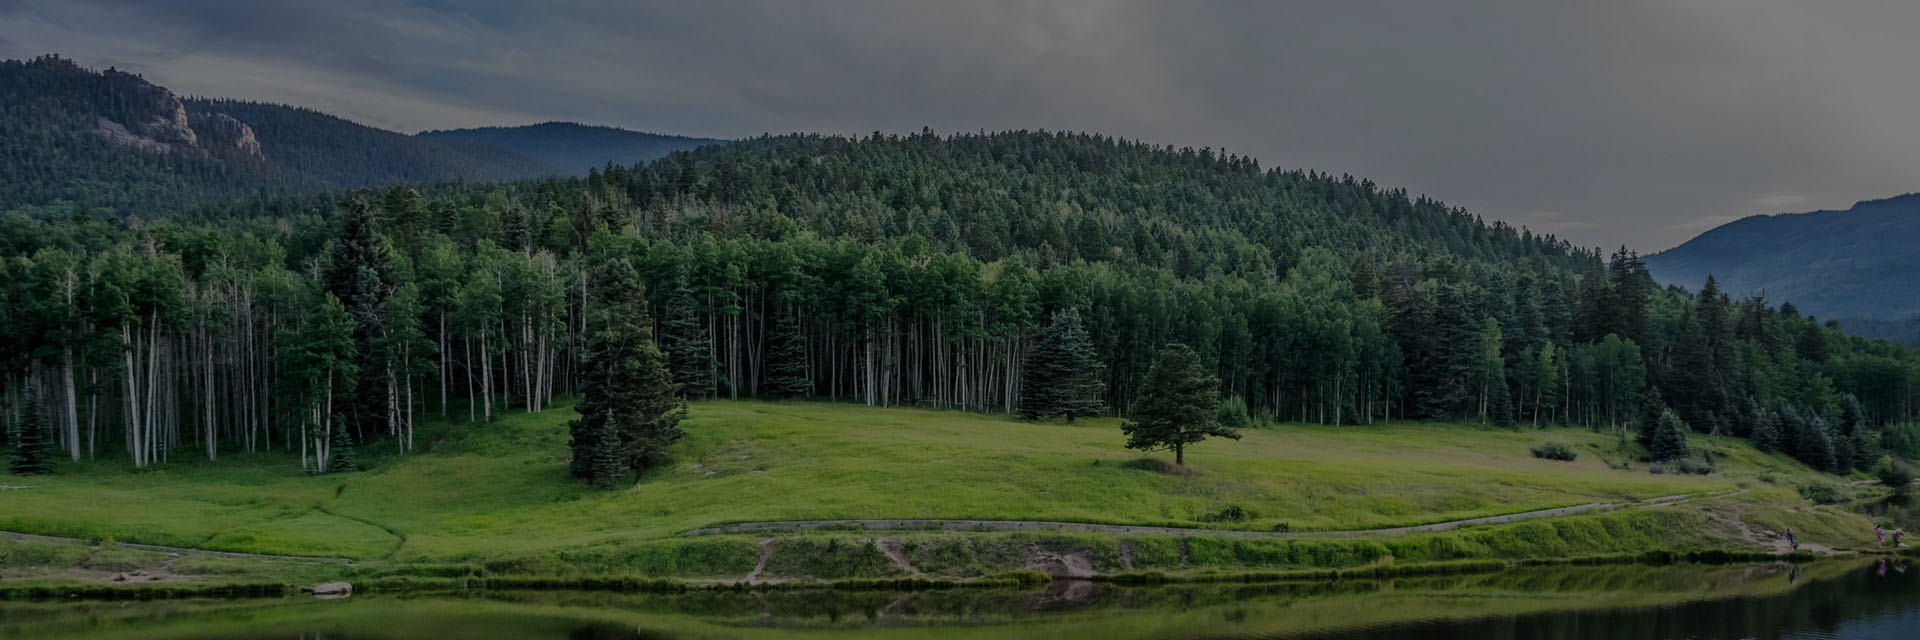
[
  {"x": 72, "y": 419},
  {"x": 486, "y": 378},
  {"x": 444, "y": 358},
  {"x": 468, "y": 366},
  {"x": 133, "y": 397}
]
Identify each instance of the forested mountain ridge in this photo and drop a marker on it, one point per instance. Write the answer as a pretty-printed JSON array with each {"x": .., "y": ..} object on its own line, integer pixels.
[
  {"x": 902, "y": 270},
  {"x": 574, "y": 148},
  {"x": 110, "y": 140},
  {"x": 1860, "y": 265}
]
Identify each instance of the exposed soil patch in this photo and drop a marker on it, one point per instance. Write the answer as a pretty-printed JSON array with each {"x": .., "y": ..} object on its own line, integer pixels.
[
  {"x": 1059, "y": 565},
  {"x": 899, "y": 559}
]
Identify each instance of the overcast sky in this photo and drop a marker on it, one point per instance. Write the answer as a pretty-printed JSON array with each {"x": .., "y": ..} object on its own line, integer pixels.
[{"x": 1605, "y": 121}]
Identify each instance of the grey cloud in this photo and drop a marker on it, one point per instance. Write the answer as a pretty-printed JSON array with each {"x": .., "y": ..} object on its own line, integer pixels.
[{"x": 1639, "y": 121}]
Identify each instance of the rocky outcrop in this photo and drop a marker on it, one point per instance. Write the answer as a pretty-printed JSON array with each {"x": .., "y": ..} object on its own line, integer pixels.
[
  {"x": 157, "y": 121},
  {"x": 225, "y": 134}
]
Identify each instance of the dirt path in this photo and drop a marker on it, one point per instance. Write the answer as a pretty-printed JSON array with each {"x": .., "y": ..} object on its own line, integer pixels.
[
  {"x": 28, "y": 537},
  {"x": 1041, "y": 525},
  {"x": 766, "y": 550},
  {"x": 1774, "y": 540},
  {"x": 899, "y": 559}
]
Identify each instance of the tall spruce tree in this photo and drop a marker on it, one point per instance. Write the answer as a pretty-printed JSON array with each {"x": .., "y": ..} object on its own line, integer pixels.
[
  {"x": 630, "y": 410},
  {"x": 787, "y": 358},
  {"x": 340, "y": 458},
  {"x": 684, "y": 339},
  {"x": 1652, "y": 407},
  {"x": 1669, "y": 440},
  {"x": 1500, "y": 404},
  {"x": 1179, "y": 405},
  {"x": 32, "y": 451},
  {"x": 358, "y": 272},
  {"x": 1061, "y": 377}
]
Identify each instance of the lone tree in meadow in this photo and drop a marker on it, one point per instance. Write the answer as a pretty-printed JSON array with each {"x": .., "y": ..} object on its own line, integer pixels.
[
  {"x": 629, "y": 408},
  {"x": 1179, "y": 405},
  {"x": 1061, "y": 377},
  {"x": 32, "y": 451}
]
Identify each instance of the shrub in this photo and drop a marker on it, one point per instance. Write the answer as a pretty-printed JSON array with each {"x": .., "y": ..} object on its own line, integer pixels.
[
  {"x": 1692, "y": 466},
  {"x": 1555, "y": 451},
  {"x": 1233, "y": 413},
  {"x": 1230, "y": 513},
  {"x": 1896, "y": 475},
  {"x": 1821, "y": 492}
]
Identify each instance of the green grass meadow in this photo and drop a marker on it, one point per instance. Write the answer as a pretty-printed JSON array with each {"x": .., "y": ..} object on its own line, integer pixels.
[{"x": 489, "y": 492}]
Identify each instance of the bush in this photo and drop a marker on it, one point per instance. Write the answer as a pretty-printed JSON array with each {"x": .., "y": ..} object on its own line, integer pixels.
[
  {"x": 1896, "y": 475},
  {"x": 1230, "y": 513},
  {"x": 1555, "y": 451},
  {"x": 1692, "y": 466},
  {"x": 1233, "y": 413},
  {"x": 1821, "y": 492}
]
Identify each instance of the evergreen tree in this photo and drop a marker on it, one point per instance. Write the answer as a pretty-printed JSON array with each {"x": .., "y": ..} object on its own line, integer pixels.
[
  {"x": 1652, "y": 409},
  {"x": 606, "y": 465},
  {"x": 340, "y": 457},
  {"x": 358, "y": 271},
  {"x": 1669, "y": 440},
  {"x": 32, "y": 450},
  {"x": 787, "y": 358},
  {"x": 1062, "y": 372},
  {"x": 684, "y": 339},
  {"x": 1766, "y": 429},
  {"x": 630, "y": 411},
  {"x": 1500, "y": 403},
  {"x": 1179, "y": 405},
  {"x": 1816, "y": 447}
]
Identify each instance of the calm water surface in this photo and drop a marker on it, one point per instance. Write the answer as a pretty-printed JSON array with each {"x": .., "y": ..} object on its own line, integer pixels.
[{"x": 1850, "y": 600}]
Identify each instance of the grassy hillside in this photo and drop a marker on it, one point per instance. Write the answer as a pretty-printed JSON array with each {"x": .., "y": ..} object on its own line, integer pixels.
[{"x": 494, "y": 491}]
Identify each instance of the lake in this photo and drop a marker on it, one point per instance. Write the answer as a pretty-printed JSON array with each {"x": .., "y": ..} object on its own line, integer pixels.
[{"x": 1850, "y": 599}]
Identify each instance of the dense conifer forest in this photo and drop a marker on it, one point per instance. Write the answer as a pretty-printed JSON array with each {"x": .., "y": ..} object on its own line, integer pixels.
[
  {"x": 913, "y": 270},
  {"x": 110, "y": 140}
]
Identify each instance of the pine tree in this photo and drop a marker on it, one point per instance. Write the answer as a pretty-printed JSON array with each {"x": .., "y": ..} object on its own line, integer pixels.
[
  {"x": 1061, "y": 376},
  {"x": 1652, "y": 408},
  {"x": 1179, "y": 405},
  {"x": 1501, "y": 404},
  {"x": 605, "y": 465},
  {"x": 787, "y": 358},
  {"x": 629, "y": 409},
  {"x": 32, "y": 451},
  {"x": 684, "y": 339},
  {"x": 340, "y": 457},
  {"x": 1766, "y": 429},
  {"x": 1669, "y": 440},
  {"x": 358, "y": 272}
]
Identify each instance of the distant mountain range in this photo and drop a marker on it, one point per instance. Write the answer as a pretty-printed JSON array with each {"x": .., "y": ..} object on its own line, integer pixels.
[
  {"x": 119, "y": 144},
  {"x": 1860, "y": 266},
  {"x": 572, "y": 147}
]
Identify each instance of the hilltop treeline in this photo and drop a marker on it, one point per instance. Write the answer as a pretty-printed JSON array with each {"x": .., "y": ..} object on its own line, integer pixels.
[{"x": 895, "y": 270}]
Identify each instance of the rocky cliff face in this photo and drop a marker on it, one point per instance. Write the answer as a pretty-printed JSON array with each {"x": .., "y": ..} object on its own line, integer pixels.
[
  {"x": 157, "y": 121},
  {"x": 225, "y": 134}
]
